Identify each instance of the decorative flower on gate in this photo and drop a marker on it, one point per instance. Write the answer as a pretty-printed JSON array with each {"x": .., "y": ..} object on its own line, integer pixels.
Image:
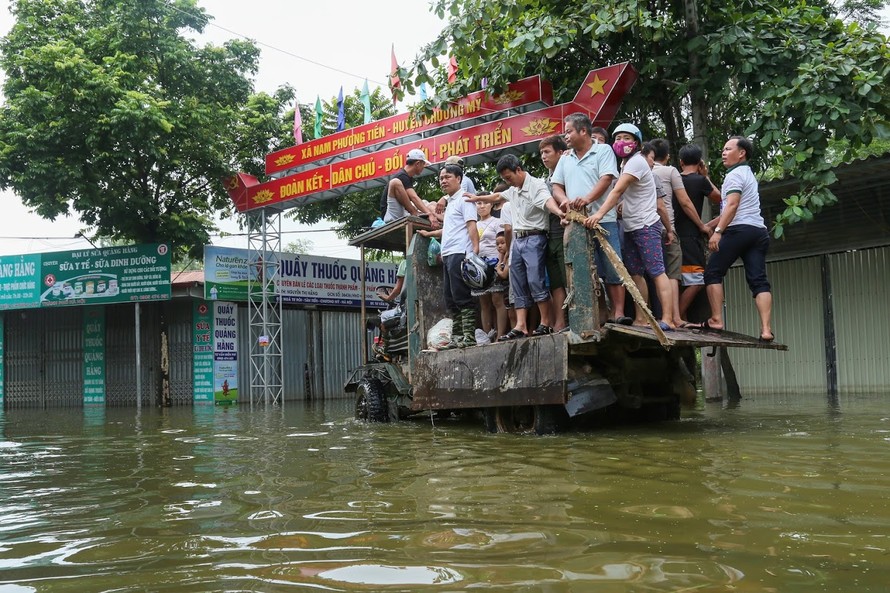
[
  {"x": 263, "y": 196},
  {"x": 284, "y": 159},
  {"x": 508, "y": 97},
  {"x": 540, "y": 127}
]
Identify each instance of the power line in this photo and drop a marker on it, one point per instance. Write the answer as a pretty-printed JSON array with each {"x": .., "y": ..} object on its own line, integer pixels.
[
  {"x": 219, "y": 235},
  {"x": 278, "y": 49}
]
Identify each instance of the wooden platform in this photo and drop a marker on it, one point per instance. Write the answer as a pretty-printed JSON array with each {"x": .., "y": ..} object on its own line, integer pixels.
[{"x": 697, "y": 338}]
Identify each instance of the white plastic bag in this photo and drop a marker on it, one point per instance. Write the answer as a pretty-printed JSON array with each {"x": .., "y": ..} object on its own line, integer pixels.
[
  {"x": 439, "y": 335},
  {"x": 482, "y": 337}
]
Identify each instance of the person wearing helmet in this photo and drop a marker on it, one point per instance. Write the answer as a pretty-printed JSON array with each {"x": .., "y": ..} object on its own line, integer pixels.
[
  {"x": 641, "y": 217},
  {"x": 460, "y": 238},
  {"x": 582, "y": 179}
]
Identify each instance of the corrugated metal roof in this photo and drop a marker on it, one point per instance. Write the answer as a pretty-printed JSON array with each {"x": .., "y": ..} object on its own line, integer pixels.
[
  {"x": 187, "y": 278},
  {"x": 859, "y": 220}
]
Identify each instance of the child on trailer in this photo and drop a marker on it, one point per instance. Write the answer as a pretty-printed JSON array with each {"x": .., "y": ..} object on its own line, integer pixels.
[{"x": 506, "y": 316}]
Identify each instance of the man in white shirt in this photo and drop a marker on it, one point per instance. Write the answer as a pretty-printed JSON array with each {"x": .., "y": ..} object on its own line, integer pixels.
[
  {"x": 459, "y": 237},
  {"x": 581, "y": 180},
  {"x": 530, "y": 203}
]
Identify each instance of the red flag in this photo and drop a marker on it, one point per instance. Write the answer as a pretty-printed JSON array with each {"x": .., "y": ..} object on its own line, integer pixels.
[
  {"x": 298, "y": 124},
  {"x": 394, "y": 81},
  {"x": 452, "y": 70}
]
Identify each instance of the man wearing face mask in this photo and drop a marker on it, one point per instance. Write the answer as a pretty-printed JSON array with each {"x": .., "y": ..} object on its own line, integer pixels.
[
  {"x": 640, "y": 214},
  {"x": 581, "y": 179}
]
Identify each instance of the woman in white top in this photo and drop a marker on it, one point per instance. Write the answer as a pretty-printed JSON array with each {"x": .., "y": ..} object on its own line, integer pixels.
[{"x": 491, "y": 300}]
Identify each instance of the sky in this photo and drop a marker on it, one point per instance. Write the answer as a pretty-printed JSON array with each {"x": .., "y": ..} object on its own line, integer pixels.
[{"x": 314, "y": 46}]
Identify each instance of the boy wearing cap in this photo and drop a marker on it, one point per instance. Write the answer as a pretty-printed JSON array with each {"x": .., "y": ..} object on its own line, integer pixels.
[{"x": 401, "y": 199}]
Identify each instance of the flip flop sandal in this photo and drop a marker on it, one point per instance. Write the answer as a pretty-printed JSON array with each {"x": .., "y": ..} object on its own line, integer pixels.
[
  {"x": 542, "y": 330},
  {"x": 513, "y": 334}
]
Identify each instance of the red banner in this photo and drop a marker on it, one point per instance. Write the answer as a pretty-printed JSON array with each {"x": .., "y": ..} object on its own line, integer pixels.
[
  {"x": 600, "y": 96},
  {"x": 496, "y": 135},
  {"x": 525, "y": 92}
]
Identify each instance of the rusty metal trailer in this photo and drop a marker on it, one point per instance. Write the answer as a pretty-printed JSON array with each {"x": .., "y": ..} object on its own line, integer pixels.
[{"x": 596, "y": 372}]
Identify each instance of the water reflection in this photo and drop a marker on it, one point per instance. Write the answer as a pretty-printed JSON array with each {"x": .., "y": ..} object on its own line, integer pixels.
[{"x": 775, "y": 495}]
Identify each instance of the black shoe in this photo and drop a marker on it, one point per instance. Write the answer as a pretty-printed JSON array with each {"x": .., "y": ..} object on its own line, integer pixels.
[
  {"x": 513, "y": 334},
  {"x": 542, "y": 330}
]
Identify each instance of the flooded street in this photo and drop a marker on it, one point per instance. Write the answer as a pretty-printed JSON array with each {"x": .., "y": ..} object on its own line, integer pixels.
[{"x": 781, "y": 494}]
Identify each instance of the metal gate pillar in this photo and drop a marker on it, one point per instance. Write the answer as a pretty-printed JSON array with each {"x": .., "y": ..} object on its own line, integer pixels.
[{"x": 263, "y": 249}]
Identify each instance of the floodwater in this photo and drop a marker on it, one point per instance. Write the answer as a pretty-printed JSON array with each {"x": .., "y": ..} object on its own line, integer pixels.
[{"x": 782, "y": 494}]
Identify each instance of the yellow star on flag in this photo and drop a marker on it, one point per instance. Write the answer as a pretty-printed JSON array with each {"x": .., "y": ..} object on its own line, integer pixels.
[{"x": 597, "y": 86}]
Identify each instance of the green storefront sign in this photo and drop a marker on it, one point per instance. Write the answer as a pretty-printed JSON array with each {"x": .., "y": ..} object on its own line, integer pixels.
[
  {"x": 104, "y": 276},
  {"x": 19, "y": 281},
  {"x": 202, "y": 353},
  {"x": 2, "y": 363},
  {"x": 131, "y": 273},
  {"x": 94, "y": 356}
]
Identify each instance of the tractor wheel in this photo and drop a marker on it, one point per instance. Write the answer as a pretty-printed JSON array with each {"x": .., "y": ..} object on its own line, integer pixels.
[
  {"x": 370, "y": 402},
  {"x": 541, "y": 420}
]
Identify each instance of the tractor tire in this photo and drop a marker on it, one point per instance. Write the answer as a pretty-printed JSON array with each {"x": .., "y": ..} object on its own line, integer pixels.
[
  {"x": 540, "y": 420},
  {"x": 370, "y": 402}
]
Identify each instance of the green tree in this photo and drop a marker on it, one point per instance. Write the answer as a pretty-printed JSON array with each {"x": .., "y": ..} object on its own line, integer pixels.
[
  {"x": 112, "y": 112},
  {"x": 302, "y": 246},
  {"x": 798, "y": 76}
]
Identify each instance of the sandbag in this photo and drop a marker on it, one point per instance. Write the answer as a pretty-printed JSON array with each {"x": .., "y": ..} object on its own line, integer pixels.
[{"x": 439, "y": 336}]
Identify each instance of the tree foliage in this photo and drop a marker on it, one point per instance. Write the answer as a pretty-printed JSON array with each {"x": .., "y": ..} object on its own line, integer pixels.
[
  {"x": 801, "y": 77},
  {"x": 113, "y": 113}
]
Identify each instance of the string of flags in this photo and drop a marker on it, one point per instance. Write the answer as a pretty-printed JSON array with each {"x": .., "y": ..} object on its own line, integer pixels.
[{"x": 395, "y": 84}]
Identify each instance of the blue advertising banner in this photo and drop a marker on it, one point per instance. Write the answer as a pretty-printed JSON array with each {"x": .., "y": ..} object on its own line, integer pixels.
[
  {"x": 302, "y": 279},
  {"x": 225, "y": 352}
]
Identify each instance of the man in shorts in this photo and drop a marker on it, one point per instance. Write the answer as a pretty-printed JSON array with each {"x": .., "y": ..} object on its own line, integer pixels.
[
  {"x": 551, "y": 149},
  {"x": 693, "y": 233},
  {"x": 642, "y": 228},
  {"x": 672, "y": 183},
  {"x": 739, "y": 232},
  {"x": 581, "y": 179}
]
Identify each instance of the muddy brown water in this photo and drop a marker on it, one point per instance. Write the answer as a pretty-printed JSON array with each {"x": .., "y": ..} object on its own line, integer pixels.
[{"x": 782, "y": 494}]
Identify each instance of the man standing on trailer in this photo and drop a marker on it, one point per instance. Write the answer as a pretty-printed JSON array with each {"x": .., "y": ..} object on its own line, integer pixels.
[
  {"x": 739, "y": 232},
  {"x": 530, "y": 202},
  {"x": 581, "y": 179},
  {"x": 399, "y": 198}
]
